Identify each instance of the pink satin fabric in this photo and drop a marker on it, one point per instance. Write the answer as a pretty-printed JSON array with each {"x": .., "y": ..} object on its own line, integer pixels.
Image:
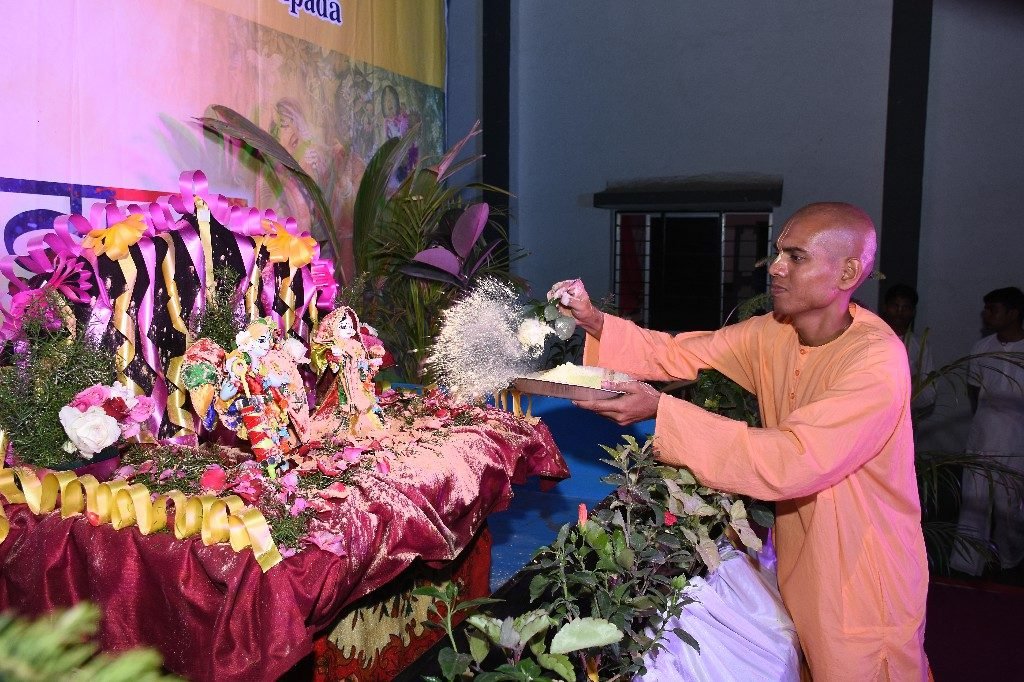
[{"x": 214, "y": 615}]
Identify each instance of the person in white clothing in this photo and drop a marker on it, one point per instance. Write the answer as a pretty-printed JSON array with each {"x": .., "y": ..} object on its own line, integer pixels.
[{"x": 990, "y": 511}]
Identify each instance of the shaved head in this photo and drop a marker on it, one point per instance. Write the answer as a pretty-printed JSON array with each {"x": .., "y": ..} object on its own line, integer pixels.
[{"x": 845, "y": 230}]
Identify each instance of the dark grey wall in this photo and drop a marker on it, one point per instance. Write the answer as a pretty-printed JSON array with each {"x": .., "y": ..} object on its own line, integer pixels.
[
  {"x": 605, "y": 91},
  {"x": 972, "y": 239}
]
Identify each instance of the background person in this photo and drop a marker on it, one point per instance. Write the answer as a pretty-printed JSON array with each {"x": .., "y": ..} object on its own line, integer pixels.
[
  {"x": 996, "y": 389},
  {"x": 836, "y": 453},
  {"x": 899, "y": 308}
]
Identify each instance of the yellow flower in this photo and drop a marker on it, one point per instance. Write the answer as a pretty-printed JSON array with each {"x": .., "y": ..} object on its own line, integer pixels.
[
  {"x": 297, "y": 251},
  {"x": 116, "y": 239}
]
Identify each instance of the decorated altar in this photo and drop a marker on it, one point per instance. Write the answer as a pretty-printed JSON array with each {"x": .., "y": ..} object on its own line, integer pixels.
[
  {"x": 214, "y": 614},
  {"x": 199, "y": 446}
]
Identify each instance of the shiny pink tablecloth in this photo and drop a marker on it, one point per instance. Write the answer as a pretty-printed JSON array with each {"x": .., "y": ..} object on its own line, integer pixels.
[{"x": 214, "y": 615}]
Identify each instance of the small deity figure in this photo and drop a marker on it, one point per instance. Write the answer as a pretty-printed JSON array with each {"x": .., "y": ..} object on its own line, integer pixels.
[
  {"x": 255, "y": 390},
  {"x": 352, "y": 357}
]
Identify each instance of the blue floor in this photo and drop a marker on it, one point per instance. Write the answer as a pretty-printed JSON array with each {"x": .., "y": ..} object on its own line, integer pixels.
[{"x": 534, "y": 517}]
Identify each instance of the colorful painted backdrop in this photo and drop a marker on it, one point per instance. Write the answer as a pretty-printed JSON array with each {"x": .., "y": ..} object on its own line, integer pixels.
[{"x": 100, "y": 97}]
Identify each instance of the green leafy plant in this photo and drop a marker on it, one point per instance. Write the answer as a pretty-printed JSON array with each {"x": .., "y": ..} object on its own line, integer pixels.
[
  {"x": 939, "y": 473},
  {"x": 45, "y": 368},
  {"x": 607, "y": 587},
  {"x": 220, "y": 319},
  {"x": 58, "y": 647},
  {"x": 421, "y": 245}
]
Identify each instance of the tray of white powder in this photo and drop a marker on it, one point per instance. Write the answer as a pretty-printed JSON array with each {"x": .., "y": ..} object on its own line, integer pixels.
[{"x": 572, "y": 381}]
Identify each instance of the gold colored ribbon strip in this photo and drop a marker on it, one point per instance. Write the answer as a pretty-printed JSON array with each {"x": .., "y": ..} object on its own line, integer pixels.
[
  {"x": 252, "y": 292},
  {"x": 286, "y": 294},
  {"x": 511, "y": 400},
  {"x": 123, "y": 322},
  {"x": 216, "y": 519},
  {"x": 206, "y": 240},
  {"x": 176, "y": 413}
]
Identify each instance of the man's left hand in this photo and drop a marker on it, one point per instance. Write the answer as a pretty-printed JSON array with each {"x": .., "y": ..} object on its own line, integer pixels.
[{"x": 639, "y": 402}]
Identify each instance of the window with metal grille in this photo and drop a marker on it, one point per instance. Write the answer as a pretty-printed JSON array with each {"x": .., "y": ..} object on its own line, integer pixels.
[{"x": 686, "y": 271}]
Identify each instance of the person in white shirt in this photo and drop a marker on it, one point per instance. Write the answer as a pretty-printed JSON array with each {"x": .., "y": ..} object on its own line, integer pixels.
[{"x": 990, "y": 511}]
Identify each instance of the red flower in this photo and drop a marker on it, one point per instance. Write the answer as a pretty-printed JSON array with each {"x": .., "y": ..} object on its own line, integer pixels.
[
  {"x": 670, "y": 518},
  {"x": 214, "y": 478},
  {"x": 116, "y": 408}
]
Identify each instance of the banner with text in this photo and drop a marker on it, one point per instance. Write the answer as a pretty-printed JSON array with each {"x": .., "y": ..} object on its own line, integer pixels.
[{"x": 101, "y": 98}]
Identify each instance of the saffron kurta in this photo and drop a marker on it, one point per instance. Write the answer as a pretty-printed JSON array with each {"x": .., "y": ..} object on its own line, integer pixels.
[{"x": 836, "y": 452}]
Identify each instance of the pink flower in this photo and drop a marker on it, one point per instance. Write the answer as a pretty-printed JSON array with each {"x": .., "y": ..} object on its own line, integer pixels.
[
  {"x": 90, "y": 397},
  {"x": 670, "y": 518},
  {"x": 130, "y": 429},
  {"x": 329, "y": 542},
  {"x": 335, "y": 491},
  {"x": 165, "y": 474},
  {"x": 248, "y": 489},
  {"x": 298, "y": 506},
  {"x": 383, "y": 466},
  {"x": 143, "y": 408},
  {"x": 214, "y": 478},
  {"x": 23, "y": 303},
  {"x": 583, "y": 513},
  {"x": 290, "y": 481},
  {"x": 352, "y": 454},
  {"x": 125, "y": 472},
  {"x": 328, "y": 468}
]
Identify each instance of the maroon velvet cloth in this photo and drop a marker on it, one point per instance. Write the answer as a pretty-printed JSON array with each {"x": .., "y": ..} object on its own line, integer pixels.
[{"x": 214, "y": 615}]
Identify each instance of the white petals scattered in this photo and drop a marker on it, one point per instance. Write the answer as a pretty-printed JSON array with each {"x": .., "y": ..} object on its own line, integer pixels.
[{"x": 477, "y": 351}]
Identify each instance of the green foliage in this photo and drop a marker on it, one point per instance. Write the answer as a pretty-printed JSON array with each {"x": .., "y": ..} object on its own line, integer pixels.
[
  {"x": 220, "y": 319},
  {"x": 391, "y": 228},
  {"x": 186, "y": 463},
  {"x": 47, "y": 369},
  {"x": 717, "y": 393},
  {"x": 606, "y": 587},
  {"x": 57, "y": 647},
  {"x": 939, "y": 473}
]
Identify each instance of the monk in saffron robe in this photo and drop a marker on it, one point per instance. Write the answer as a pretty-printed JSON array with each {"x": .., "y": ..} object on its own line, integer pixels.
[{"x": 836, "y": 451}]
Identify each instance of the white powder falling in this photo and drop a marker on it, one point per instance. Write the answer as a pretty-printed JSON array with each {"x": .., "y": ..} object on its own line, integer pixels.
[{"x": 478, "y": 351}]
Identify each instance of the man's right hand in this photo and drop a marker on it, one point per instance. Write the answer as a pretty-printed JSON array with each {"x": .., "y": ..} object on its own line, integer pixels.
[{"x": 572, "y": 297}]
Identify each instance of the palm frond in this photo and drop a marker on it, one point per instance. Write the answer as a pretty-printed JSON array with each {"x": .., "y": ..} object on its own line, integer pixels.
[{"x": 232, "y": 124}]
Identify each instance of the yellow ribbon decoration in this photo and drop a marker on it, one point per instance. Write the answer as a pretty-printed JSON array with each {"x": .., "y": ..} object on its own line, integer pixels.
[
  {"x": 216, "y": 519},
  {"x": 511, "y": 400},
  {"x": 286, "y": 294},
  {"x": 252, "y": 291},
  {"x": 176, "y": 412},
  {"x": 206, "y": 239},
  {"x": 5, "y": 525},
  {"x": 250, "y": 529},
  {"x": 124, "y": 323},
  {"x": 285, "y": 247},
  {"x": 116, "y": 240}
]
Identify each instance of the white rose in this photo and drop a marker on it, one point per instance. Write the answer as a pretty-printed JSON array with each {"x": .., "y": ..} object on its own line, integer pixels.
[
  {"x": 532, "y": 332},
  {"x": 89, "y": 431}
]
